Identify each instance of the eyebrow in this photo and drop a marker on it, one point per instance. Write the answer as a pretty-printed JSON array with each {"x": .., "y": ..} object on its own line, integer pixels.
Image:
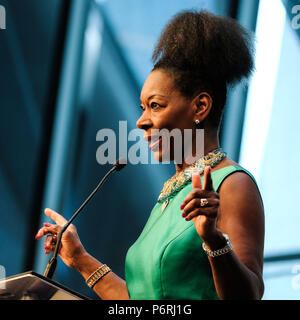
[{"x": 154, "y": 95}]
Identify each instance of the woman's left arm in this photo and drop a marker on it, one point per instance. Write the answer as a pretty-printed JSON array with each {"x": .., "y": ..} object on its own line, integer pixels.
[{"x": 237, "y": 210}]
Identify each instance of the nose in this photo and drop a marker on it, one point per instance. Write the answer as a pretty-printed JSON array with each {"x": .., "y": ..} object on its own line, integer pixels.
[{"x": 144, "y": 122}]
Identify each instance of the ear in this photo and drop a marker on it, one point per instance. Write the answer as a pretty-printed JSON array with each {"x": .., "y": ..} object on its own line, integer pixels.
[{"x": 202, "y": 105}]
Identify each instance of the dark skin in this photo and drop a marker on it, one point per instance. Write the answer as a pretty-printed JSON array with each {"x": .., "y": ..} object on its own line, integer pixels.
[
  {"x": 238, "y": 274},
  {"x": 236, "y": 209}
]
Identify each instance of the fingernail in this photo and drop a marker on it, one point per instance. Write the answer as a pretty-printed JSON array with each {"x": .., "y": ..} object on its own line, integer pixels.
[
  {"x": 182, "y": 206},
  {"x": 183, "y": 214},
  {"x": 47, "y": 224},
  {"x": 36, "y": 236}
]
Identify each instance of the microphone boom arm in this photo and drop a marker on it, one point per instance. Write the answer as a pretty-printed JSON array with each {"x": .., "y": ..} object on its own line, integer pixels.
[{"x": 49, "y": 271}]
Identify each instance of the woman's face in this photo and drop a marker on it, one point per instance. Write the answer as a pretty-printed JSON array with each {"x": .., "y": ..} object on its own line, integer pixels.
[{"x": 163, "y": 107}]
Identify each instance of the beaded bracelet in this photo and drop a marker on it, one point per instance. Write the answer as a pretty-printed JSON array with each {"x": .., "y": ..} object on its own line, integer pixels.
[{"x": 97, "y": 275}]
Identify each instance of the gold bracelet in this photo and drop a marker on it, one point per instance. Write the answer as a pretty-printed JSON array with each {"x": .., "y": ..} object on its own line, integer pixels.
[{"x": 97, "y": 275}]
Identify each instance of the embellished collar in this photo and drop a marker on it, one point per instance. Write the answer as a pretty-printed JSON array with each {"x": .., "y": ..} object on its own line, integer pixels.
[{"x": 180, "y": 180}]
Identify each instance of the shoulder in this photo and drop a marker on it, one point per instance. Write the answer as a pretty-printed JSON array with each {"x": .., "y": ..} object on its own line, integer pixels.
[
  {"x": 241, "y": 216},
  {"x": 234, "y": 179},
  {"x": 240, "y": 183},
  {"x": 239, "y": 179},
  {"x": 241, "y": 211}
]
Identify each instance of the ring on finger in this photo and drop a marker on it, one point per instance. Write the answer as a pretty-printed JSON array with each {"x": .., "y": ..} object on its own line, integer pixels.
[
  {"x": 54, "y": 239},
  {"x": 203, "y": 202}
]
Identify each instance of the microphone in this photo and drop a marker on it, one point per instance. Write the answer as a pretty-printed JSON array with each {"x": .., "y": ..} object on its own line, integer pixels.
[{"x": 50, "y": 269}]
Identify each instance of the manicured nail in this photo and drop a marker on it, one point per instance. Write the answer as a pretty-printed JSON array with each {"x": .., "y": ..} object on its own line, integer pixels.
[
  {"x": 47, "y": 224},
  {"x": 182, "y": 206},
  {"x": 183, "y": 215}
]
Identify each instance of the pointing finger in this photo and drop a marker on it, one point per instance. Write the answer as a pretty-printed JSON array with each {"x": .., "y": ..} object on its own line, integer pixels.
[
  {"x": 59, "y": 219},
  {"x": 196, "y": 181}
]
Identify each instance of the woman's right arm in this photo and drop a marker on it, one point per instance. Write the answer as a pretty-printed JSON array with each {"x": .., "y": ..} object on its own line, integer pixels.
[
  {"x": 110, "y": 287},
  {"x": 74, "y": 255}
]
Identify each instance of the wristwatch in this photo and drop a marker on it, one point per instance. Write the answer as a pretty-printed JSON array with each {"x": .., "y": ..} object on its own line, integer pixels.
[{"x": 215, "y": 253}]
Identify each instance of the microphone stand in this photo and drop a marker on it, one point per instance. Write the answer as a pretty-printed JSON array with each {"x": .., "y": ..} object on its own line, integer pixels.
[{"x": 49, "y": 271}]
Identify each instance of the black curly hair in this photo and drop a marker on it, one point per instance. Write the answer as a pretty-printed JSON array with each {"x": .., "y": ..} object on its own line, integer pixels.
[{"x": 205, "y": 52}]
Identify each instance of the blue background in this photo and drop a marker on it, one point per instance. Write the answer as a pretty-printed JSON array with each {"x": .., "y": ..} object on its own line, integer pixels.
[{"x": 71, "y": 68}]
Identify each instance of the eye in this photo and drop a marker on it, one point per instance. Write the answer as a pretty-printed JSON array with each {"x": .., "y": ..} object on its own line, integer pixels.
[{"x": 154, "y": 105}]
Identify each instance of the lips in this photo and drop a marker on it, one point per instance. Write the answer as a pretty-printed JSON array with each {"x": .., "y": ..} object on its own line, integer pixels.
[
  {"x": 153, "y": 142},
  {"x": 154, "y": 145}
]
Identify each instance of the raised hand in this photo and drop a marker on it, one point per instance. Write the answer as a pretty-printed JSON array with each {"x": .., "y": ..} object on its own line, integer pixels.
[
  {"x": 71, "y": 248},
  {"x": 201, "y": 206}
]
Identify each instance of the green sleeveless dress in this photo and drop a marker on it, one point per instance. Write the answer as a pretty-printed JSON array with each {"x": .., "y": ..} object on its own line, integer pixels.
[{"x": 167, "y": 260}]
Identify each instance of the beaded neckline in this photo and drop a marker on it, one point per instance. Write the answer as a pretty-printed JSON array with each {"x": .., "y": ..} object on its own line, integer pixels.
[{"x": 176, "y": 183}]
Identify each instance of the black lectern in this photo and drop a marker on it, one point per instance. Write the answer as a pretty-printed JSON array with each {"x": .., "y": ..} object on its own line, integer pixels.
[{"x": 33, "y": 286}]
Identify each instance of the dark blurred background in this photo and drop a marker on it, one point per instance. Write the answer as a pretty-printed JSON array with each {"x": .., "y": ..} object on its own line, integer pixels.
[{"x": 70, "y": 68}]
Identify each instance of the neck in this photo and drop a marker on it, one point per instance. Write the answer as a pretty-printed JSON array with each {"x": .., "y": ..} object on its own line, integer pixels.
[{"x": 211, "y": 142}]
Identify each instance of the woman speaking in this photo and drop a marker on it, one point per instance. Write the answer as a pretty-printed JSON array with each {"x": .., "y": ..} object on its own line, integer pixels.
[{"x": 204, "y": 238}]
